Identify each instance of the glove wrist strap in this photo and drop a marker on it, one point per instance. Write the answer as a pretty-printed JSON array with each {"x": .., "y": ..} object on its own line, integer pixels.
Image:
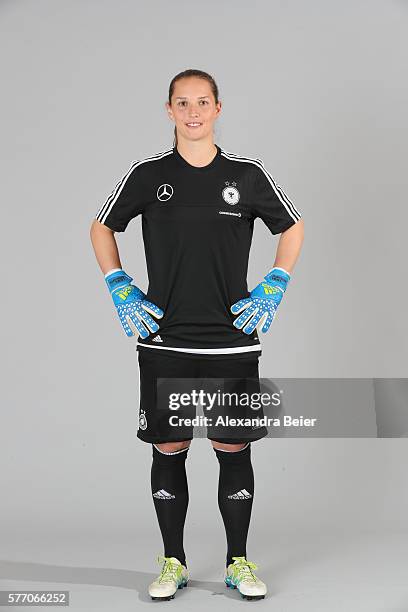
[
  {"x": 116, "y": 279},
  {"x": 278, "y": 277},
  {"x": 112, "y": 271}
]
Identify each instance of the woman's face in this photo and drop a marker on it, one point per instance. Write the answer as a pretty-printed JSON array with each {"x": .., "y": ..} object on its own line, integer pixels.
[{"x": 193, "y": 103}]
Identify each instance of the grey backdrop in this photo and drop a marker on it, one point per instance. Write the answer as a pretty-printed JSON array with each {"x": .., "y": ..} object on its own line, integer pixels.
[{"x": 317, "y": 90}]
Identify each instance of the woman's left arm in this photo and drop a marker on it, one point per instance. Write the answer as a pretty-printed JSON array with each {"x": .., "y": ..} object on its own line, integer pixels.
[
  {"x": 258, "y": 310},
  {"x": 289, "y": 246}
]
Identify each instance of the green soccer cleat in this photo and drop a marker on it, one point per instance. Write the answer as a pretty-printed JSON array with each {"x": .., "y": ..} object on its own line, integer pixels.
[
  {"x": 173, "y": 576},
  {"x": 239, "y": 575}
]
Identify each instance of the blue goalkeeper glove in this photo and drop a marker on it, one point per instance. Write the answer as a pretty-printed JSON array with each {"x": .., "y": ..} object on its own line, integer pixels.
[
  {"x": 263, "y": 302},
  {"x": 131, "y": 304}
]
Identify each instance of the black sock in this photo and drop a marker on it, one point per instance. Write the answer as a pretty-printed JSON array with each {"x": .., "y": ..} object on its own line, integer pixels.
[
  {"x": 170, "y": 497},
  {"x": 235, "y": 497}
]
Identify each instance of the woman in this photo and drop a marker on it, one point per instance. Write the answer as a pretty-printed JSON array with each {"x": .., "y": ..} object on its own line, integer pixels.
[{"x": 198, "y": 204}]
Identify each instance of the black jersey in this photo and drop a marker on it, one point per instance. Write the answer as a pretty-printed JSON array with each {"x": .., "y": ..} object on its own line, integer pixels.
[{"x": 197, "y": 225}]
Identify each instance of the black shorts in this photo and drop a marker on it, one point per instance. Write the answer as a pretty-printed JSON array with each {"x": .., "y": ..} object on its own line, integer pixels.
[{"x": 227, "y": 422}]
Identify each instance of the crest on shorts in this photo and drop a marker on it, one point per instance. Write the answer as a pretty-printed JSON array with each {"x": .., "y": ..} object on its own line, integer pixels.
[
  {"x": 142, "y": 420},
  {"x": 230, "y": 193}
]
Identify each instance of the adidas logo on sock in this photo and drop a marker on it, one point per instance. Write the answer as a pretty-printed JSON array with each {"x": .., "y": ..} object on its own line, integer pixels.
[
  {"x": 157, "y": 339},
  {"x": 162, "y": 494},
  {"x": 242, "y": 494}
]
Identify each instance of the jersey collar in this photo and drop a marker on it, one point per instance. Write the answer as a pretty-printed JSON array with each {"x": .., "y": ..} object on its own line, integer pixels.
[{"x": 188, "y": 166}]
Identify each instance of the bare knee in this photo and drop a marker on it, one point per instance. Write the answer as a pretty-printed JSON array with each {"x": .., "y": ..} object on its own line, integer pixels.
[
  {"x": 228, "y": 447},
  {"x": 170, "y": 447}
]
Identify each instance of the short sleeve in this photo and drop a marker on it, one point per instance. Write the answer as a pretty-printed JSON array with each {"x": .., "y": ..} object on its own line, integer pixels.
[
  {"x": 270, "y": 203},
  {"x": 125, "y": 202}
]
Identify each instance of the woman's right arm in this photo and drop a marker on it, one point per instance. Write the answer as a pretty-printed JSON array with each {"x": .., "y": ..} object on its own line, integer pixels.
[
  {"x": 130, "y": 302},
  {"x": 105, "y": 247}
]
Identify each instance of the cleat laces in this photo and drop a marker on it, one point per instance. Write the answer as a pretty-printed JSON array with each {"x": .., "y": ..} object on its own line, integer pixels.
[
  {"x": 169, "y": 570},
  {"x": 244, "y": 569}
]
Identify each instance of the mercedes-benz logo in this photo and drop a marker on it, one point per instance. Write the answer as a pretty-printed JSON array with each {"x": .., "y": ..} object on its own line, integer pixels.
[{"x": 164, "y": 192}]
